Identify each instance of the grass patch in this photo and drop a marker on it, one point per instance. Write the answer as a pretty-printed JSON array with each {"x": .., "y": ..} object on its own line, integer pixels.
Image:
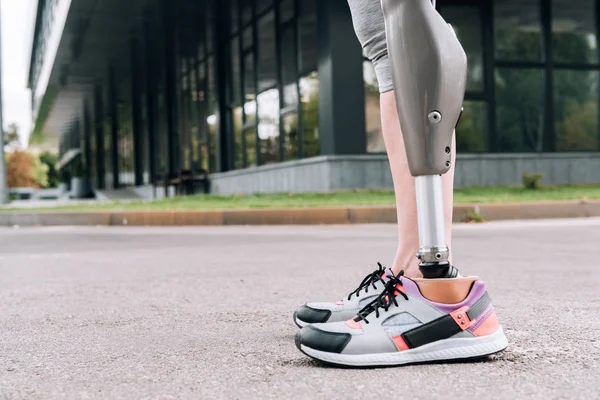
[{"x": 345, "y": 198}]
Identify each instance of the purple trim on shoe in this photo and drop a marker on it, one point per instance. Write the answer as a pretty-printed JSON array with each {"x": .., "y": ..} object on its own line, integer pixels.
[
  {"x": 476, "y": 292},
  {"x": 480, "y": 319}
]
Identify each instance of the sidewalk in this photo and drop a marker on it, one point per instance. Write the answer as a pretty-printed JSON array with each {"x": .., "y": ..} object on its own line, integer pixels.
[{"x": 296, "y": 216}]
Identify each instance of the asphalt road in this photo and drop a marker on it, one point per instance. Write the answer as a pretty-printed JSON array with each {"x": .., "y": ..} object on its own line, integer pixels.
[{"x": 206, "y": 313}]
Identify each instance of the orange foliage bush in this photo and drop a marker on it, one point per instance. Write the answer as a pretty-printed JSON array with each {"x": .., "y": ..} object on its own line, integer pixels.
[{"x": 19, "y": 170}]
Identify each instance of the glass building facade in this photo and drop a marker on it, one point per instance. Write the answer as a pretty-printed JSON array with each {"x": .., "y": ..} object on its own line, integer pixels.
[{"x": 232, "y": 84}]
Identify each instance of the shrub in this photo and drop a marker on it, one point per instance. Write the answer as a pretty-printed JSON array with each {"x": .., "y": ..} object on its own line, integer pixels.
[
  {"x": 532, "y": 181},
  {"x": 50, "y": 159}
]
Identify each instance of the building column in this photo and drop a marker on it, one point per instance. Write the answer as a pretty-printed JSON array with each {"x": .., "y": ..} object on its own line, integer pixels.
[
  {"x": 114, "y": 125},
  {"x": 341, "y": 85},
  {"x": 151, "y": 106},
  {"x": 221, "y": 44},
  {"x": 99, "y": 129},
  {"x": 136, "y": 108},
  {"x": 171, "y": 88},
  {"x": 87, "y": 135}
]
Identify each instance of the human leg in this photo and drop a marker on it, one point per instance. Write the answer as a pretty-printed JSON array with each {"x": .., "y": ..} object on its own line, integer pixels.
[
  {"x": 442, "y": 317},
  {"x": 369, "y": 25}
]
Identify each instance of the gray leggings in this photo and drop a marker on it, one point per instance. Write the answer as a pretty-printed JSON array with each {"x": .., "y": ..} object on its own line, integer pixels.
[{"x": 369, "y": 26}]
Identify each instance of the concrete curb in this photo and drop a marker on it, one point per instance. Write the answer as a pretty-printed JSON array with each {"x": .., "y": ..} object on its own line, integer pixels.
[{"x": 295, "y": 216}]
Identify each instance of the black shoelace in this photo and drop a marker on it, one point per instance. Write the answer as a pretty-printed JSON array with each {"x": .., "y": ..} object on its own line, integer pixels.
[
  {"x": 370, "y": 280},
  {"x": 384, "y": 300}
]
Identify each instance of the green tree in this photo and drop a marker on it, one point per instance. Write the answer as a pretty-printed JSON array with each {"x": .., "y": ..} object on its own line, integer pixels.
[{"x": 12, "y": 138}]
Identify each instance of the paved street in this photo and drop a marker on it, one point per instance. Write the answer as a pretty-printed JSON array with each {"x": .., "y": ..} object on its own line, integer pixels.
[{"x": 165, "y": 313}]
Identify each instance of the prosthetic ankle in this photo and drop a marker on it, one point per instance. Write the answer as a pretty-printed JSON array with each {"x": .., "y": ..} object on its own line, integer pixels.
[{"x": 429, "y": 72}]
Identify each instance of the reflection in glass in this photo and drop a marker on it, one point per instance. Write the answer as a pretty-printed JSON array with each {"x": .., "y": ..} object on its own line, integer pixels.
[
  {"x": 471, "y": 132},
  {"x": 248, "y": 38},
  {"x": 374, "y": 133},
  {"x": 574, "y": 31},
  {"x": 213, "y": 118},
  {"x": 290, "y": 132},
  {"x": 286, "y": 10},
  {"x": 262, "y": 5},
  {"x": 236, "y": 85},
  {"x": 246, "y": 11},
  {"x": 267, "y": 64},
  {"x": 193, "y": 107},
  {"x": 520, "y": 109},
  {"x": 466, "y": 22},
  {"x": 237, "y": 137},
  {"x": 518, "y": 30},
  {"x": 210, "y": 26},
  {"x": 249, "y": 89},
  {"x": 235, "y": 16},
  {"x": 212, "y": 142},
  {"x": 308, "y": 34},
  {"x": 268, "y": 126},
  {"x": 288, "y": 67},
  {"x": 309, "y": 92},
  {"x": 250, "y": 146},
  {"x": 576, "y": 110}
]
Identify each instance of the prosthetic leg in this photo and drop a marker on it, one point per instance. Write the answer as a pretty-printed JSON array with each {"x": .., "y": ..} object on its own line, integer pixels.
[{"x": 429, "y": 71}]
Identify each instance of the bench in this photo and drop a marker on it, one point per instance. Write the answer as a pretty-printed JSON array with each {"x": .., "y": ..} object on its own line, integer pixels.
[{"x": 184, "y": 181}]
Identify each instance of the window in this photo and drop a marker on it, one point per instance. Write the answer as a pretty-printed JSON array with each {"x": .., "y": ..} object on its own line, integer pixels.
[
  {"x": 574, "y": 31},
  {"x": 288, "y": 66},
  {"x": 263, "y": 5},
  {"x": 374, "y": 133},
  {"x": 309, "y": 94},
  {"x": 308, "y": 35},
  {"x": 248, "y": 38},
  {"x": 520, "y": 109},
  {"x": 246, "y": 11},
  {"x": 576, "y": 110},
  {"x": 237, "y": 138},
  {"x": 466, "y": 22},
  {"x": 250, "y": 146},
  {"x": 518, "y": 30},
  {"x": 213, "y": 117},
  {"x": 290, "y": 131},
  {"x": 471, "y": 132},
  {"x": 267, "y": 58},
  {"x": 235, "y": 16},
  {"x": 236, "y": 86},
  {"x": 286, "y": 10},
  {"x": 249, "y": 89},
  {"x": 268, "y": 126}
]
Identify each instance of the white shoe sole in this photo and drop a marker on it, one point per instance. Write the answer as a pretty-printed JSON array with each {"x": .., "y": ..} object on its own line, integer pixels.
[
  {"x": 442, "y": 350},
  {"x": 299, "y": 323}
]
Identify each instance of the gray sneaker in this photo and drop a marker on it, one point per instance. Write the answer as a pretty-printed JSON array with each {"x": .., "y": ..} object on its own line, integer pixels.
[
  {"x": 402, "y": 327},
  {"x": 368, "y": 290}
]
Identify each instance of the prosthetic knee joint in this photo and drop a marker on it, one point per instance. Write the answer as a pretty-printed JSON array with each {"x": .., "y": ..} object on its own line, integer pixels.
[{"x": 429, "y": 71}]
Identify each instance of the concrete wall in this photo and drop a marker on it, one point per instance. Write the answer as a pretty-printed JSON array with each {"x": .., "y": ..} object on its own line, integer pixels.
[
  {"x": 327, "y": 173},
  {"x": 318, "y": 174}
]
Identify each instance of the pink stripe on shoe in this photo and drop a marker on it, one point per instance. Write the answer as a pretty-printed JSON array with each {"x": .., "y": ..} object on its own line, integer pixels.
[{"x": 352, "y": 324}]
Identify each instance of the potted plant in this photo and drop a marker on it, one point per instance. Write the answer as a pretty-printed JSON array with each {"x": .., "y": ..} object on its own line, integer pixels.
[{"x": 79, "y": 184}]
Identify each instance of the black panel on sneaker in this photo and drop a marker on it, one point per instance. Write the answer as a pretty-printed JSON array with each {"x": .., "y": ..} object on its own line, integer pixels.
[
  {"x": 317, "y": 339},
  {"x": 310, "y": 315}
]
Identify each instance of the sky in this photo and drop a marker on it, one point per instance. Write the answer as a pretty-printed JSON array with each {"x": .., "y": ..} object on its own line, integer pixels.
[{"x": 18, "y": 18}]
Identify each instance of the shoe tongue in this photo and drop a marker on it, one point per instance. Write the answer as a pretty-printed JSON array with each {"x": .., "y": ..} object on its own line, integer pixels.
[{"x": 388, "y": 274}]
